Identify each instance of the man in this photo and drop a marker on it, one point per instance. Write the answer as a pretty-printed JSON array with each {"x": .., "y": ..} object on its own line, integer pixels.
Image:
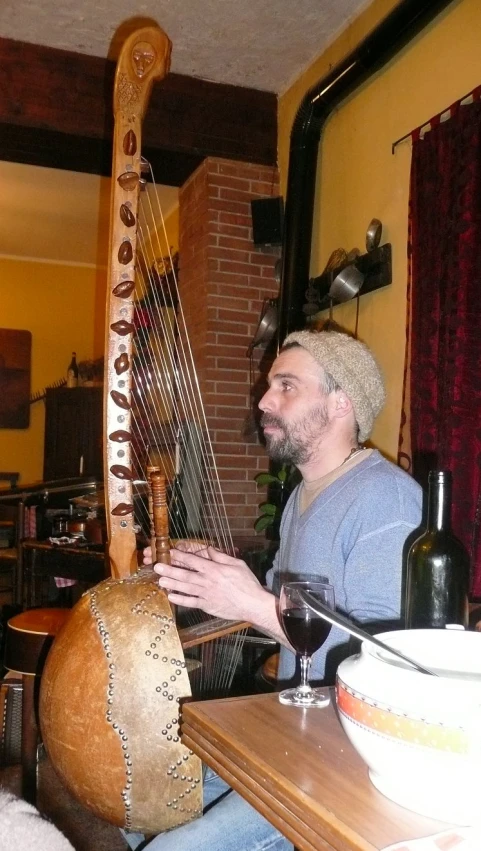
[{"x": 347, "y": 522}]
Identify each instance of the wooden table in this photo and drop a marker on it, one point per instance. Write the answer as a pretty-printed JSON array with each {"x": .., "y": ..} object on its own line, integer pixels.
[{"x": 298, "y": 769}]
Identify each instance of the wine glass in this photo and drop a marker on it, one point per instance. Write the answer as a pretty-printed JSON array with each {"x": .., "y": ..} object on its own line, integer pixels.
[{"x": 306, "y": 631}]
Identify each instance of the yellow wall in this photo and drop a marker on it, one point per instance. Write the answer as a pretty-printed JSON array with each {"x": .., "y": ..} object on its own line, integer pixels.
[
  {"x": 55, "y": 303},
  {"x": 359, "y": 178}
]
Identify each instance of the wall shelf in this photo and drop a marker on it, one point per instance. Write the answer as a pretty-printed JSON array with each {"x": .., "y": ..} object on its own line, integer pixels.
[{"x": 376, "y": 265}]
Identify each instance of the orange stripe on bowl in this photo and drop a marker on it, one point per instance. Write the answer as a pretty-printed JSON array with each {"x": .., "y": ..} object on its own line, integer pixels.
[{"x": 388, "y": 722}]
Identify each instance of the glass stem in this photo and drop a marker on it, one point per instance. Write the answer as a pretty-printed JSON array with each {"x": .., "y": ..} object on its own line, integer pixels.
[{"x": 305, "y": 666}]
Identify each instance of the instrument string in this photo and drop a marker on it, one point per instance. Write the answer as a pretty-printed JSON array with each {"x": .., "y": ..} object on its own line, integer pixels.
[
  {"x": 214, "y": 528},
  {"x": 189, "y": 372},
  {"x": 163, "y": 328},
  {"x": 154, "y": 381},
  {"x": 187, "y": 397}
]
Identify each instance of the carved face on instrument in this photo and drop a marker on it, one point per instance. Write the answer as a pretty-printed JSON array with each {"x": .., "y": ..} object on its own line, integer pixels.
[{"x": 143, "y": 56}]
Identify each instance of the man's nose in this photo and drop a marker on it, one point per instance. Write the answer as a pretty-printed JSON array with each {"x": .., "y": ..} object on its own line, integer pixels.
[{"x": 267, "y": 403}]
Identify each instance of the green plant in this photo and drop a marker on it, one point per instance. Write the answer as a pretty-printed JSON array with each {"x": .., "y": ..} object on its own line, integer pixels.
[{"x": 271, "y": 511}]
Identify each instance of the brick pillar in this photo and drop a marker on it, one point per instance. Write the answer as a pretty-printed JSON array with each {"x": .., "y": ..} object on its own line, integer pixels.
[{"x": 223, "y": 281}]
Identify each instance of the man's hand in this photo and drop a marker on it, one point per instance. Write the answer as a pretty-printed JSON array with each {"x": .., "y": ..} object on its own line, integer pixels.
[
  {"x": 201, "y": 577},
  {"x": 217, "y": 583}
]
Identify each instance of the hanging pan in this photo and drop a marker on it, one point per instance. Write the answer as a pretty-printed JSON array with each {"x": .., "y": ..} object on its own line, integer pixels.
[
  {"x": 267, "y": 324},
  {"x": 346, "y": 284}
]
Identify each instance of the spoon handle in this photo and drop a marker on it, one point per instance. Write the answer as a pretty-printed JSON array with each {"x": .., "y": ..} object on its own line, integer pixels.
[{"x": 348, "y": 626}]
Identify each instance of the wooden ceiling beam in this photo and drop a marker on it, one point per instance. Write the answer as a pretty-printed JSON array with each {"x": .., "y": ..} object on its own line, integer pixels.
[{"x": 56, "y": 111}]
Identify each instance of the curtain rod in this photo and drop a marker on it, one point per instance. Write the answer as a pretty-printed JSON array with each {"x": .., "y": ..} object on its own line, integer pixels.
[{"x": 473, "y": 95}]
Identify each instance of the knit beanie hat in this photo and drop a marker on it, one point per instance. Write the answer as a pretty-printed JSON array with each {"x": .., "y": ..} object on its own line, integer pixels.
[{"x": 352, "y": 366}]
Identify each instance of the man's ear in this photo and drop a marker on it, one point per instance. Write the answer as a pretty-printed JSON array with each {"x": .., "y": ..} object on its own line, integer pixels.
[{"x": 343, "y": 405}]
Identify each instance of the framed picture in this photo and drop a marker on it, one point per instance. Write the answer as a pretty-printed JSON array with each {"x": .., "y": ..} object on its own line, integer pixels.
[{"x": 15, "y": 362}]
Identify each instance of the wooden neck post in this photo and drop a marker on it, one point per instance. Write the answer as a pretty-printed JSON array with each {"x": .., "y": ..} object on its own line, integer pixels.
[{"x": 161, "y": 518}]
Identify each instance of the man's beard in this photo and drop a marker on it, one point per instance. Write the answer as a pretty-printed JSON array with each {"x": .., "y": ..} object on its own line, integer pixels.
[{"x": 298, "y": 440}]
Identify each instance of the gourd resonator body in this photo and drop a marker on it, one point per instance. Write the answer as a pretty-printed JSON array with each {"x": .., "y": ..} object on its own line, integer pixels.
[{"x": 110, "y": 698}]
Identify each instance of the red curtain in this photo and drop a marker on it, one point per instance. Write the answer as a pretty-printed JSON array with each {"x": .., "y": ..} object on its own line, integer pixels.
[{"x": 442, "y": 399}]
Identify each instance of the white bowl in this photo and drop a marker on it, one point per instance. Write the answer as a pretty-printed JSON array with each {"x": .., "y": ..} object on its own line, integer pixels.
[{"x": 419, "y": 735}]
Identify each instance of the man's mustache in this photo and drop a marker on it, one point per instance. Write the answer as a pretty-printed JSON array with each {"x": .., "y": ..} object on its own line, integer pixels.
[{"x": 271, "y": 420}]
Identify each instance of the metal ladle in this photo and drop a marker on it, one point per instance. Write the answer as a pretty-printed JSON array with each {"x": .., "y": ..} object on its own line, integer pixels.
[
  {"x": 373, "y": 234},
  {"x": 352, "y": 628}
]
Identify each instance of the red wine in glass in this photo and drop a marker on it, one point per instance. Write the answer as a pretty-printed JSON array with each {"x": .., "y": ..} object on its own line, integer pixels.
[{"x": 306, "y": 632}]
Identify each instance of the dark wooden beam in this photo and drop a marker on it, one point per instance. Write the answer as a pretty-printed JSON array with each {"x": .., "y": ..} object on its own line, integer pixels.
[
  {"x": 93, "y": 156},
  {"x": 55, "y": 110}
]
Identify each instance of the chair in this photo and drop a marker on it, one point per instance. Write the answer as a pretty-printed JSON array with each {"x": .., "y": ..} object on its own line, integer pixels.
[
  {"x": 10, "y": 720},
  {"x": 28, "y": 639}
]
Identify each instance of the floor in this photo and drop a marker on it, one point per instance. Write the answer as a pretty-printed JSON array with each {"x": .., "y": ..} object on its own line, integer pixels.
[{"x": 85, "y": 831}]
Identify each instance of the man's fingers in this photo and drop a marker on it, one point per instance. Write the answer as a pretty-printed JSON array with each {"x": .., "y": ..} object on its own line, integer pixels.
[
  {"x": 220, "y": 557},
  {"x": 192, "y": 561},
  {"x": 174, "y": 577},
  {"x": 181, "y": 600},
  {"x": 188, "y": 545},
  {"x": 184, "y": 593},
  {"x": 199, "y": 561}
]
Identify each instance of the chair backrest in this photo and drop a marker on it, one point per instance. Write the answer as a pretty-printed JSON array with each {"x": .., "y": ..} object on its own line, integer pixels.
[{"x": 11, "y": 692}]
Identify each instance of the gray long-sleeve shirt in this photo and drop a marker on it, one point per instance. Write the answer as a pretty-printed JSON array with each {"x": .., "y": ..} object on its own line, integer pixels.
[{"x": 353, "y": 535}]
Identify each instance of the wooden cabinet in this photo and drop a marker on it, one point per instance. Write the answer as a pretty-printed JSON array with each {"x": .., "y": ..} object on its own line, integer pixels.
[{"x": 73, "y": 433}]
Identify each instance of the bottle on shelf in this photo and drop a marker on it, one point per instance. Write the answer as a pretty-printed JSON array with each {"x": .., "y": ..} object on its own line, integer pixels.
[
  {"x": 437, "y": 584},
  {"x": 72, "y": 372},
  {"x": 177, "y": 507}
]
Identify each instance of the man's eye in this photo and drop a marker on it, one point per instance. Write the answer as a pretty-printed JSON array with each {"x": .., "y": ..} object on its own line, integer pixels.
[{"x": 286, "y": 385}]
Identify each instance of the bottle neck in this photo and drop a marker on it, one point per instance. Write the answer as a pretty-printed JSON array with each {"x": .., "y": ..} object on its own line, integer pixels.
[{"x": 439, "y": 502}]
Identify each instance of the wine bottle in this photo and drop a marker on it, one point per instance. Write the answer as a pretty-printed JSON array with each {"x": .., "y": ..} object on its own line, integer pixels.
[
  {"x": 437, "y": 565},
  {"x": 72, "y": 372},
  {"x": 177, "y": 507}
]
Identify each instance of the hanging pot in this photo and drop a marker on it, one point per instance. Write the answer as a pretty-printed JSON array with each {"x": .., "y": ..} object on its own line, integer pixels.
[
  {"x": 76, "y": 527},
  {"x": 346, "y": 284},
  {"x": 267, "y": 324}
]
